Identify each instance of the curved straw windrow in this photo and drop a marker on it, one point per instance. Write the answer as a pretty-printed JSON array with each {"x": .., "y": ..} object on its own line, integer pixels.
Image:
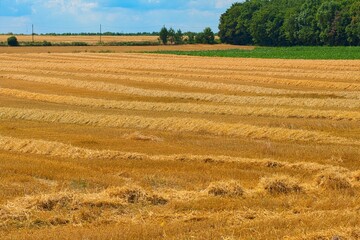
[
  {"x": 174, "y": 124},
  {"x": 281, "y": 112},
  {"x": 279, "y": 74},
  {"x": 62, "y": 150},
  {"x": 219, "y": 98},
  {"x": 234, "y": 88}
]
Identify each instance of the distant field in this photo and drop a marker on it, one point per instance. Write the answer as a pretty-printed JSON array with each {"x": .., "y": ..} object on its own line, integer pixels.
[
  {"x": 118, "y": 49},
  {"x": 150, "y": 146},
  {"x": 279, "y": 52},
  {"x": 87, "y": 39}
]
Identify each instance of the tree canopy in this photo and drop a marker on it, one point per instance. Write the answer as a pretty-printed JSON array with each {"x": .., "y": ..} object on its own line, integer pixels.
[
  {"x": 171, "y": 36},
  {"x": 292, "y": 22},
  {"x": 12, "y": 41}
]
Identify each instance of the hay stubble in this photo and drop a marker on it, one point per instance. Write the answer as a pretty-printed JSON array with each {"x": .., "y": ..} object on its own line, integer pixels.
[{"x": 178, "y": 147}]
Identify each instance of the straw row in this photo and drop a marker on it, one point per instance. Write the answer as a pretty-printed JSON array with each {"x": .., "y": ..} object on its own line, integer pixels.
[
  {"x": 174, "y": 124},
  {"x": 62, "y": 150},
  {"x": 219, "y": 98},
  {"x": 280, "y": 112},
  {"x": 233, "y": 88}
]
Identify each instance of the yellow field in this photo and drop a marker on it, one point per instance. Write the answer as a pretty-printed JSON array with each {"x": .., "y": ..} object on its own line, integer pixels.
[
  {"x": 119, "y": 49},
  {"x": 141, "y": 146},
  {"x": 91, "y": 39}
]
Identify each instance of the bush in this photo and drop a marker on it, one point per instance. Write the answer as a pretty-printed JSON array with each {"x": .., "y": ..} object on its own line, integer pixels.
[
  {"x": 12, "y": 41},
  {"x": 46, "y": 43},
  {"x": 79, "y": 44}
]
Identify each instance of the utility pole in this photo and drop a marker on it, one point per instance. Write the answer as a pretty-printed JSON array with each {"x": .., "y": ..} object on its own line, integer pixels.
[
  {"x": 100, "y": 33},
  {"x": 32, "y": 32}
]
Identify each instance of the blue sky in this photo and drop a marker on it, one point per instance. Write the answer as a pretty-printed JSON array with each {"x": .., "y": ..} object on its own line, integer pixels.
[{"x": 115, "y": 15}]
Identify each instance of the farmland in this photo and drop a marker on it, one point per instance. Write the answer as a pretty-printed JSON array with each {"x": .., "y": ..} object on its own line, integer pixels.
[
  {"x": 119, "y": 49},
  {"x": 302, "y": 52},
  {"x": 150, "y": 146},
  {"x": 91, "y": 39}
]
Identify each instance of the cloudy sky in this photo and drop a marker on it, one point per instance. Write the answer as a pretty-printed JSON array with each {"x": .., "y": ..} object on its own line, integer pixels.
[{"x": 115, "y": 15}]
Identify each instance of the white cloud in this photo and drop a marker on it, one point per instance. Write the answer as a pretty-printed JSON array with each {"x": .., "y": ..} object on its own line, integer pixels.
[
  {"x": 71, "y": 6},
  {"x": 210, "y": 4},
  {"x": 119, "y": 16},
  {"x": 224, "y": 3}
]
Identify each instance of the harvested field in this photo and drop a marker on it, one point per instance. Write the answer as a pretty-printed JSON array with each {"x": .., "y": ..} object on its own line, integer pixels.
[
  {"x": 88, "y": 39},
  {"x": 147, "y": 146},
  {"x": 118, "y": 49}
]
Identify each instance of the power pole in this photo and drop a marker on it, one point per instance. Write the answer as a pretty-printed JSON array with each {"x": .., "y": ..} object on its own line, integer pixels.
[
  {"x": 100, "y": 33},
  {"x": 32, "y": 32}
]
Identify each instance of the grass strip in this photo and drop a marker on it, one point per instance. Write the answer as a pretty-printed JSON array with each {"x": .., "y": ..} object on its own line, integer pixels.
[{"x": 344, "y": 53}]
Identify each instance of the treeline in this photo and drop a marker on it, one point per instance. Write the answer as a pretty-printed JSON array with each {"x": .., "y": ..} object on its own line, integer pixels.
[
  {"x": 170, "y": 36},
  {"x": 292, "y": 22},
  {"x": 89, "y": 34},
  {"x": 104, "y": 34},
  {"x": 12, "y": 41}
]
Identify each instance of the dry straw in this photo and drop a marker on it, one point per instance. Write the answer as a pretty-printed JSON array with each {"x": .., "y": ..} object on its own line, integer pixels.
[
  {"x": 230, "y": 188},
  {"x": 57, "y": 149},
  {"x": 279, "y": 184},
  {"x": 331, "y": 180},
  {"x": 142, "y": 137},
  {"x": 24, "y": 210},
  {"x": 185, "y": 107},
  {"x": 174, "y": 124},
  {"x": 218, "y": 98},
  {"x": 262, "y": 75},
  {"x": 132, "y": 76}
]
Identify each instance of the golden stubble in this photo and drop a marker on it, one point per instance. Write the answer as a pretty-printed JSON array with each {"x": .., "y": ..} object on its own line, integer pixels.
[{"x": 144, "y": 146}]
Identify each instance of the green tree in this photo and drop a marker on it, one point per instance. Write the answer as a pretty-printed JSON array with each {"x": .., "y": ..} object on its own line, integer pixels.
[
  {"x": 341, "y": 21},
  {"x": 228, "y": 23},
  {"x": 171, "y": 36},
  {"x": 290, "y": 27},
  {"x": 199, "y": 38},
  {"x": 327, "y": 17},
  {"x": 179, "y": 37},
  {"x": 306, "y": 24},
  {"x": 191, "y": 37},
  {"x": 266, "y": 27},
  {"x": 209, "y": 36},
  {"x": 291, "y": 22},
  {"x": 12, "y": 41},
  {"x": 205, "y": 37},
  {"x": 242, "y": 30},
  {"x": 163, "y": 35},
  {"x": 353, "y": 28}
]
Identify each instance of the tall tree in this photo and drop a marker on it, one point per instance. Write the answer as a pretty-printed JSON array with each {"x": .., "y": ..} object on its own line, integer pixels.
[
  {"x": 353, "y": 28},
  {"x": 179, "y": 37},
  {"x": 242, "y": 30},
  {"x": 171, "y": 35},
  {"x": 327, "y": 17},
  {"x": 292, "y": 22},
  {"x": 209, "y": 36},
  {"x": 164, "y": 35},
  {"x": 228, "y": 23}
]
